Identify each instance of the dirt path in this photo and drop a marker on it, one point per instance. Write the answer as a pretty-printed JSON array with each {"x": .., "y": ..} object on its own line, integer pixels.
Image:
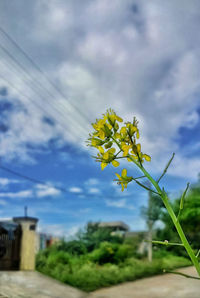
[
  {"x": 22, "y": 284},
  {"x": 35, "y": 285},
  {"x": 161, "y": 286}
]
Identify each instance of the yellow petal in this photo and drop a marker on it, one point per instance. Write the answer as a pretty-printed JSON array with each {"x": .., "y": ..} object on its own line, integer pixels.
[
  {"x": 137, "y": 134},
  {"x": 101, "y": 150},
  {"x": 122, "y": 185},
  {"x": 116, "y": 135},
  {"x": 146, "y": 157},
  {"x": 118, "y": 176},
  {"x": 123, "y": 130},
  {"x": 126, "y": 148},
  {"x": 95, "y": 126},
  {"x": 118, "y": 118},
  {"x": 102, "y": 134},
  {"x": 103, "y": 165},
  {"x": 133, "y": 129},
  {"x": 124, "y": 173},
  {"x": 138, "y": 147},
  {"x": 112, "y": 150},
  {"x": 115, "y": 163},
  {"x": 112, "y": 118},
  {"x": 105, "y": 155}
]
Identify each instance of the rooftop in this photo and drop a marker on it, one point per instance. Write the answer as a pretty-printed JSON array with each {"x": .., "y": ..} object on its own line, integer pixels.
[{"x": 114, "y": 224}]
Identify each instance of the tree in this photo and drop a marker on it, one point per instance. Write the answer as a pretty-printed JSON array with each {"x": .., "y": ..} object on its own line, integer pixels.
[{"x": 93, "y": 235}]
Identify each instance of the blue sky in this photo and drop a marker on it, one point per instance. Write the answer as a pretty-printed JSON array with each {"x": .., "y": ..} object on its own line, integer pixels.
[{"x": 140, "y": 58}]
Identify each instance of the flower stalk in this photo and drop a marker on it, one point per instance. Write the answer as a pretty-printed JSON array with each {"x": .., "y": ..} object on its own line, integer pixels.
[{"x": 108, "y": 136}]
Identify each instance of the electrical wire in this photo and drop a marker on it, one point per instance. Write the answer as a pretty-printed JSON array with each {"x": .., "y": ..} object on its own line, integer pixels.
[
  {"x": 35, "y": 88},
  {"x": 34, "y": 102},
  {"x": 38, "y": 181},
  {"x": 41, "y": 71},
  {"x": 33, "y": 180}
]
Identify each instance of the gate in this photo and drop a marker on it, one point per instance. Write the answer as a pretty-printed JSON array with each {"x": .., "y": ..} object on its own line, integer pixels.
[{"x": 10, "y": 240}]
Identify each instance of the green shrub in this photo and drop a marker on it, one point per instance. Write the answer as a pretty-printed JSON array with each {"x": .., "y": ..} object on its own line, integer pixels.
[
  {"x": 74, "y": 247},
  {"x": 110, "y": 264},
  {"x": 105, "y": 253},
  {"x": 59, "y": 257},
  {"x": 123, "y": 252}
]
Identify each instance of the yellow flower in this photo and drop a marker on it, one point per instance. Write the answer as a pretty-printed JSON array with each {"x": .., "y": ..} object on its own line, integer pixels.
[
  {"x": 106, "y": 157},
  {"x": 112, "y": 117},
  {"x": 102, "y": 128},
  {"x": 107, "y": 133},
  {"x": 117, "y": 135},
  {"x": 123, "y": 179},
  {"x": 146, "y": 157},
  {"x": 115, "y": 163},
  {"x": 132, "y": 129},
  {"x": 95, "y": 142},
  {"x": 123, "y": 131},
  {"x": 125, "y": 149}
]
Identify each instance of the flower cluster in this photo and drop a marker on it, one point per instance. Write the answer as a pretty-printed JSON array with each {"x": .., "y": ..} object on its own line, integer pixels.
[{"x": 108, "y": 138}]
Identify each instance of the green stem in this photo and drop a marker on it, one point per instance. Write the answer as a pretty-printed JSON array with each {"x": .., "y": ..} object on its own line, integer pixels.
[
  {"x": 165, "y": 200},
  {"x": 174, "y": 219},
  {"x": 166, "y": 243}
]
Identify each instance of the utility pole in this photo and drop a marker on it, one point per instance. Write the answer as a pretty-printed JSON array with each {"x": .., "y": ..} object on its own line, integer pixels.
[{"x": 150, "y": 226}]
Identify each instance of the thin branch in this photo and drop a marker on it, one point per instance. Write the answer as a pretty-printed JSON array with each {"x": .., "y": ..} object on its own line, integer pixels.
[
  {"x": 182, "y": 200},
  {"x": 140, "y": 177},
  {"x": 119, "y": 157},
  {"x": 167, "y": 166},
  {"x": 198, "y": 252},
  {"x": 182, "y": 274},
  {"x": 118, "y": 153},
  {"x": 147, "y": 188},
  {"x": 166, "y": 243}
]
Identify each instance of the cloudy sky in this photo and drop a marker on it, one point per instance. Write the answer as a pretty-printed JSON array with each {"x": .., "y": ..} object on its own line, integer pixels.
[{"x": 62, "y": 64}]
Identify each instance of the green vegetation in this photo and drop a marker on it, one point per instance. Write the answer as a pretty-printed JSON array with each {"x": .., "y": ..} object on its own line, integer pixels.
[
  {"x": 88, "y": 263},
  {"x": 98, "y": 259},
  {"x": 110, "y": 264}
]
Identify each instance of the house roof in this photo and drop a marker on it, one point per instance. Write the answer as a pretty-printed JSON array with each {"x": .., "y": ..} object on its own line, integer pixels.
[{"x": 114, "y": 224}]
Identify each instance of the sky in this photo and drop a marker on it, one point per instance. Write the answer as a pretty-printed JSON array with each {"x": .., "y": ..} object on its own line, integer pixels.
[{"x": 62, "y": 65}]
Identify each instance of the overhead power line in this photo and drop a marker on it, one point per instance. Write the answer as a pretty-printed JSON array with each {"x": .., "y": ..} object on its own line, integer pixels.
[
  {"x": 38, "y": 181},
  {"x": 41, "y": 71},
  {"x": 35, "y": 87},
  {"x": 40, "y": 106},
  {"x": 33, "y": 180}
]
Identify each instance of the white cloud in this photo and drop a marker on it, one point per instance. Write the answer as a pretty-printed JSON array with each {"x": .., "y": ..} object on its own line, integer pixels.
[
  {"x": 93, "y": 190},
  {"x": 75, "y": 189},
  {"x": 45, "y": 190},
  {"x": 19, "y": 194},
  {"x": 6, "y": 181},
  {"x": 119, "y": 204},
  {"x": 92, "y": 181},
  {"x": 140, "y": 59}
]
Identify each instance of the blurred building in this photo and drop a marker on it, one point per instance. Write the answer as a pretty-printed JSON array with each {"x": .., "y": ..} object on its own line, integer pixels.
[
  {"x": 17, "y": 243},
  {"x": 116, "y": 227},
  {"x": 45, "y": 240}
]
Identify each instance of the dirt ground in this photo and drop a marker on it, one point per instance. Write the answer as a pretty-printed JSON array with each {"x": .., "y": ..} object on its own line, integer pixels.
[
  {"x": 18, "y": 284},
  {"x": 161, "y": 286}
]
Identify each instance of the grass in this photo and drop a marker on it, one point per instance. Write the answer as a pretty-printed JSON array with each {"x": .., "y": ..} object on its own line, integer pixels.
[{"x": 88, "y": 275}]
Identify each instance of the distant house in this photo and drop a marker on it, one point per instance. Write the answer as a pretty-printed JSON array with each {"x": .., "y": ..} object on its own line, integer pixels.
[
  {"x": 117, "y": 227},
  {"x": 45, "y": 241}
]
